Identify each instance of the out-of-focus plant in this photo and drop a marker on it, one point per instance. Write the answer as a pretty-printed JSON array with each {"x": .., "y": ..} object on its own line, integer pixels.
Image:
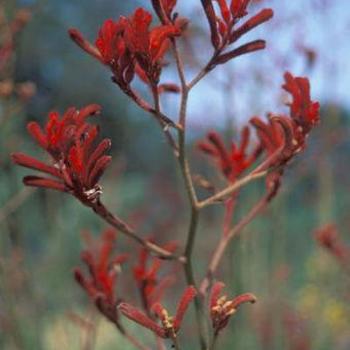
[
  {"x": 132, "y": 49},
  {"x": 13, "y": 94}
]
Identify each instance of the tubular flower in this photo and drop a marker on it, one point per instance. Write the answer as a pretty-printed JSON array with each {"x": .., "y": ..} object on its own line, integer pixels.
[
  {"x": 169, "y": 326},
  {"x": 103, "y": 269},
  {"x": 222, "y": 309},
  {"x": 148, "y": 46},
  {"x": 288, "y": 134},
  {"x": 76, "y": 165},
  {"x": 303, "y": 111},
  {"x": 283, "y": 137},
  {"x": 129, "y": 46},
  {"x": 234, "y": 161},
  {"x": 146, "y": 271},
  {"x": 224, "y": 30}
]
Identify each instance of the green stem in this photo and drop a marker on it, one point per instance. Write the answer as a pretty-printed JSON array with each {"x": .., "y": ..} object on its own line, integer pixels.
[
  {"x": 213, "y": 342},
  {"x": 192, "y": 197}
]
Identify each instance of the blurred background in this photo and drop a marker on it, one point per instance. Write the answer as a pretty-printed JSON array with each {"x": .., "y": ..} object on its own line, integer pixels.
[{"x": 303, "y": 291}]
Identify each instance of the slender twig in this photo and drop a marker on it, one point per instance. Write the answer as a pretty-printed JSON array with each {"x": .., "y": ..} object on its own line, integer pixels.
[
  {"x": 225, "y": 240},
  {"x": 260, "y": 171},
  {"x": 203, "y": 72},
  {"x": 100, "y": 209},
  {"x": 231, "y": 189},
  {"x": 128, "y": 336},
  {"x": 162, "y": 119},
  {"x": 185, "y": 169},
  {"x": 214, "y": 342},
  {"x": 164, "y": 126}
]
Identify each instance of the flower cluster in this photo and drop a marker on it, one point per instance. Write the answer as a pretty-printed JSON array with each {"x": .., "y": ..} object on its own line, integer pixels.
[
  {"x": 103, "y": 269},
  {"x": 169, "y": 326},
  {"x": 76, "y": 165},
  {"x": 281, "y": 137},
  {"x": 129, "y": 46},
  {"x": 146, "y": 275},
  {"x": 288, "y": 134},
  {"x": 234, "y": 160},
  {"x": 222, "y": 309},
  {"x": 224, "y": 30}
]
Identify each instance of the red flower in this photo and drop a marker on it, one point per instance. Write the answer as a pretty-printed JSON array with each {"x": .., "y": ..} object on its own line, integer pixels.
[
  {"x": 234, "y": 161},
  {"x": 148, "y": 46},
  {"x": 76, "y": 164},
  {"x": 303, "y": 111},
  {"x": 150, "y": 285},
  {"x": 129, "y": 45},
  {"x": 169, "y": 325},
  {"x": 224, "y": 31},
  {"x": 283, "y": 137},
  {"x": 289, "y": 133},
  {"x": 222, "y": 309},
  {"x": 103, "y": 270}
]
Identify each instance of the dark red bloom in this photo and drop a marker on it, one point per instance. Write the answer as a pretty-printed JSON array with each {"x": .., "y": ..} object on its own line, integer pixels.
[
  {"x": 234, "y": 161},
  {"x": 222, "y": 309},
  {"x": 76, "y": 165},
  {"x": 103, "y": 269},
  {"x": 282, "y": 137},
  {"x": 129, "y": 46},
  {"x": 169, "y": 325},
  {"x": 148, "y": 45},
  {"x": 146, "y": 274},
  {"x": 224, "y": 30},
  {"x": 303, "y": 110},
  {"x": 288, "y": 134}
]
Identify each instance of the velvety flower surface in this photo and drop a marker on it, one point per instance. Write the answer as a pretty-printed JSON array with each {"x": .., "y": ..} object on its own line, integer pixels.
[
  {"x": 129, "y": 45},
  {"x": 289, "y": 133},
  {"x": 151, "y": 284},
  {"x": 169, "y": 326},
  {"x": 235, "y": 159},
  {"x": 221, "y": 308},
  {"x": 225, "y": 30},
  {"x": 76, "y": 163},
  {"x": 103, "y": 267}
]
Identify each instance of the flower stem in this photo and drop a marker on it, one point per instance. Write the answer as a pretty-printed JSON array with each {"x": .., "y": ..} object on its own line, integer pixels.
[
  {"x": 162, "y": 124},
  {"x": 192, "y": 196},
  {"x": 100, "y": 209},
  {"x": 175, "y": 343},
  {"x": 231, "y": 189},
  {"x": 225, "y": 240},
  {"x": 213, "y": 342}
]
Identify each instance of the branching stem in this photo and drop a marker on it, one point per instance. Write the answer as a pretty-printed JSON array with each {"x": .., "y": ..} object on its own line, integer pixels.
[
  {"x": 100, "y": 209},
  {"x": 225, "y": 240}
]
